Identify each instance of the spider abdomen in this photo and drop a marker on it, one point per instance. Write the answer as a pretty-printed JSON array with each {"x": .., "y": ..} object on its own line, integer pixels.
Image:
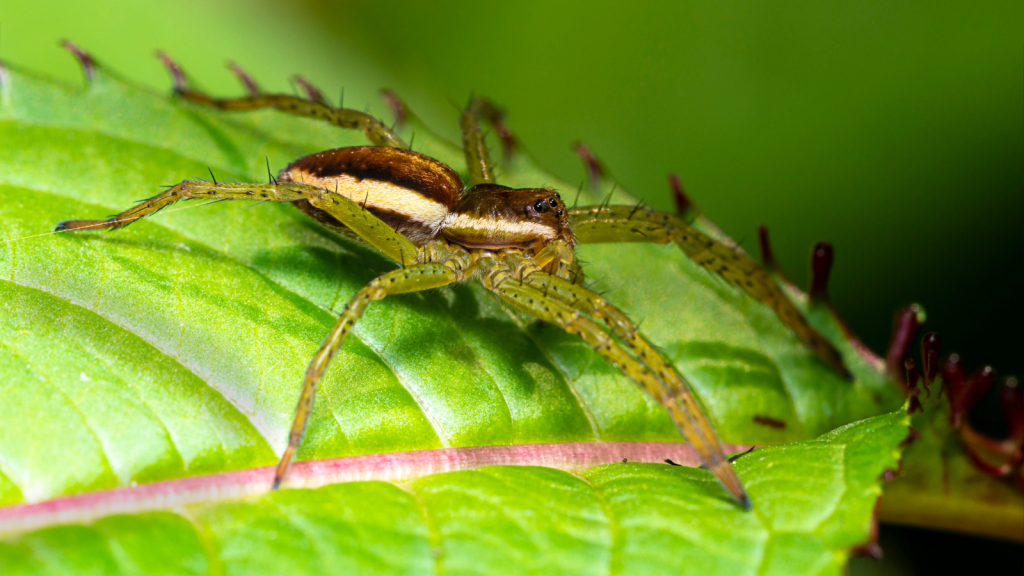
[{"x": 409, "y": 191}]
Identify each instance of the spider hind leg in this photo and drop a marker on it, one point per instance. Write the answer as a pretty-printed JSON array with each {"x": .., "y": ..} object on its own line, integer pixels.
[
  {"x": 616, "y": 224},
  {"x": 558, "y": 301}
]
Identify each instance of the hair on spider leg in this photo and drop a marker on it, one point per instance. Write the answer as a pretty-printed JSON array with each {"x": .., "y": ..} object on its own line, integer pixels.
[
  {"x": 254, "y": 204},
  {"x": 579, "y": 190},
  {"x": 736, "y": 457},
  {"x": 634, "y": 211},
  {"x": 270, "y": 176},
  {"x": 607, "y": 199},
  {"x": 212, "y": 176}
]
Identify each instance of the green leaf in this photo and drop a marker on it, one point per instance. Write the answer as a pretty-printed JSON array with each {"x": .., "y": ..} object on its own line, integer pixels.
[
  {"x": 175, "y": 347},
  {"x": 233, "y": 301},
  {"x": 813, "y": 501}
]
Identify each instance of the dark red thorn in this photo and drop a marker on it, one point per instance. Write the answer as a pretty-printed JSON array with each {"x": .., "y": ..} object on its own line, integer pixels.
[
  {"x": 821, "y": 267},
  {"x": 767, "y": 257},
  {"x": 977, "y": 385},
  {"x": 177, "y": 74},
  {"x": 931, "y": 344},
  {"x": 905, "y": 325},
  {"x": 396, "y": 104},
  {"x": 312, "y": 92},
  {"x": 508, "y": 140},
  {"x": 912, "y": 390},
  {"x": 250, "y": 85},
  {"x": 595, "y": 169},
  {"x": 683, "y": 203},
  {"x": 495, "y": 116},
  {"x": 83, "y": 57},
  {"x": 954, "y": 377},
  {"x": 1011, "y": 404}
]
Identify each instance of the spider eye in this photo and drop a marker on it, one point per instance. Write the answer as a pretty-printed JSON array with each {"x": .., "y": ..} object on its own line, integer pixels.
[{"x": 540, "y": 206}]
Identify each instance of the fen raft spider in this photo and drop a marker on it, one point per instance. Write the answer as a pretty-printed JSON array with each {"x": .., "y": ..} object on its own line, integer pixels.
[{"x": 520, "y": 243}]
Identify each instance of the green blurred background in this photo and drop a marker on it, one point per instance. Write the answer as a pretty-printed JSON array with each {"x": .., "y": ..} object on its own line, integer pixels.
[{"x": 893, "y": 130}]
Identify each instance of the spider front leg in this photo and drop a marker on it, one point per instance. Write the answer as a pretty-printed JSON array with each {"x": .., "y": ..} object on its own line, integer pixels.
[
  {"x": 352, "y": 215},
  {"x": 608, "y": 224},
  {"x": 564, "y": 304},
  {"x": 414, "y": 278}
]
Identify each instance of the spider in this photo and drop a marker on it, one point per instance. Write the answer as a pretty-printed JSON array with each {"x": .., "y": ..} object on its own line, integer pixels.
[{"x": 520, "y": 243}]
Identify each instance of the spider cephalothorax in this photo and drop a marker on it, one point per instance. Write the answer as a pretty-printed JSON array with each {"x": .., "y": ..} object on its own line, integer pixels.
[{"x": 518, "y": 242}]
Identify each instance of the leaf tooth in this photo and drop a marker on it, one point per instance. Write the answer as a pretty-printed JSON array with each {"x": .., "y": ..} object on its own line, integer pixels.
[
  {"x": 397, "y": 106},
  {"x": 177, "y": 74},
  {"x": 312, "y": 92},
  {"x": 685, "y": 208},
  {"x": 822, "y": 258},
  {"x": 86, "y": 60},
  {"x": 595, "y": 167},
  {"x": 247, "y": 81}
]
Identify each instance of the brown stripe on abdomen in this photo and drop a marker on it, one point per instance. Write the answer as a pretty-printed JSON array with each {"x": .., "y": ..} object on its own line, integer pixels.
[
  {"x": 402, "y": 168},
  {"x": 409, "y": 211}
]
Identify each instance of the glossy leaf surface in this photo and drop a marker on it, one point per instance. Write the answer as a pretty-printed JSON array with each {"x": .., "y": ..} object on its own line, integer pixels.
[{"x": 813, "y": 502}]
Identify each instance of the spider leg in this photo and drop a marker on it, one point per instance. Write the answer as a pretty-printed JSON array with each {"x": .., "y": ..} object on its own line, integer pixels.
[
  {"x": 478, "y": 159},
  {"x": 363, "y": 223},
  {"x": 606, "y": 224},
  {"x": 410, "y": 279},
  {"x": 413, "y": 278},
  {"x": 558, "y": 301},
  {"x": 376, "y": 131}
]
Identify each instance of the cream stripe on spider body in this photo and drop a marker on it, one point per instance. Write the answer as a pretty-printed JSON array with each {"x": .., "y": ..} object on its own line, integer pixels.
[
  {"x": 378, "y": 194},
  {"x": 500, "y": 226}
]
